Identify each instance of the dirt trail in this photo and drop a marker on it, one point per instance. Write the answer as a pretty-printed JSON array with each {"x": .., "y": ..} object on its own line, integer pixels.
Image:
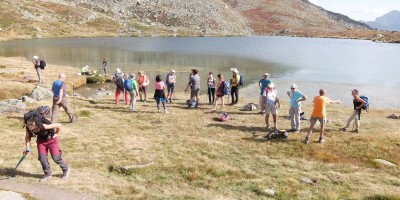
[{"x": 40, "y": 191}]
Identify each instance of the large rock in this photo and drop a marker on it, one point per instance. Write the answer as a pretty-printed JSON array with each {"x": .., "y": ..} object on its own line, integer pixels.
[
  {"x": 12, "y": 105},
  {"x": 385, "y": 162},
  {"x": 41, "y": 93},
  {"x": 8, "y": 195}
]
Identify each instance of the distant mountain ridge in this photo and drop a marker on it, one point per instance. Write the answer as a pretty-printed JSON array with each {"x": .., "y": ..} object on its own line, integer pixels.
[{"x": 388, "y": 22}]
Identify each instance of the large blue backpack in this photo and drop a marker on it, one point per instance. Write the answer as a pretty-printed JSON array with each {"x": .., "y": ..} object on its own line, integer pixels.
[
  {"x": 366, "y": 105},
  {"x": 227, "y": 89},
  {"x": 128, "y": 85}
]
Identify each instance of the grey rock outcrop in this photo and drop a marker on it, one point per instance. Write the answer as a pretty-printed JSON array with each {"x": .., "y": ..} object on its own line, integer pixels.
[
  {"x": 41, "y": 93},
  {"x": 12, "y": 105}
]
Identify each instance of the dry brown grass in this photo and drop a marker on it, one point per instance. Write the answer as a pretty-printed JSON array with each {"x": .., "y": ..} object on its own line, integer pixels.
[
  {"x": 13, "y": 85},
  {"x": 197, "y": 157}
]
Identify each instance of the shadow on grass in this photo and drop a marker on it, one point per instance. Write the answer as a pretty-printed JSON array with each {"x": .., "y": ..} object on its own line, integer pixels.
[
  {"x": 261, "y": 139},
  {"x": 238, "y": 128},
  {"x": 11, "y": 172}
]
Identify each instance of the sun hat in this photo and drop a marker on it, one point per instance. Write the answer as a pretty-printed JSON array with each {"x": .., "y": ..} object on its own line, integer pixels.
[
  {"x": 266, "y": 74},
  {"x": 118, "y": 70},
  {"x": 271, "y": 85},
  {"x": 35, "y": 58},
  {"x": 293, "y": 86},
  {"x": 173, "y": 71},
  {"x": 234, "y": 70},
  {"x": 87, "y": 66}
]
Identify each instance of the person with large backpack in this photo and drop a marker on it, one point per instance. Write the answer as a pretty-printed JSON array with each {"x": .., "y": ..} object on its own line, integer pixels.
[
  {"x": 235, "y": 86},
  {"x": 39, "y": 66},
  {"x": 221, "y": 91},
  {"x": 358, "y": 103},
  {"x": 118, "y": 79},
  {"x": 47, "y": 139},
  {"x": 132, "y": 87}
]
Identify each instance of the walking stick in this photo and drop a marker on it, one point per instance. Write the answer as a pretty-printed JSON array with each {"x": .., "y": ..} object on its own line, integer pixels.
[{"x": 15, "y": 169}]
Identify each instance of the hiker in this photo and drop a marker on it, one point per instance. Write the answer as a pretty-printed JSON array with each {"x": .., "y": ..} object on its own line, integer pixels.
[
  {"x": 131, "y": 86},
  {"x": 60, "y": 99},
  {"x": 47, "y": 139},
  {"x": 263, "y": 83},
  {"x": 85, "y": 70},
  {"x": 235, "y": 86},
  {"x": 194, "y": 84},
  {"x": 220, "y": 92},
  {"x": 211, "y": 88},
  {"x": 296, "y": 96},
  {"x": 143, "y": 83},
  {"x": 319, "y": 113},
  {"x": 159, "y": 94},
  {"x": 271, "y": 104},
  {"x": 104, "y": 65},
  {"x": 170, "y": 80},
  {"x": 36, "y": 62},
  {"x": 358, "y": 103},
  {"x": 118, "y": 80}
]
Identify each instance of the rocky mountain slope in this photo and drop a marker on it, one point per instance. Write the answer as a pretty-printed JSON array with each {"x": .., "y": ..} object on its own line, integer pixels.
[
  {"x": 389, "y": 21},
  {"x": 89, "y": 18}
]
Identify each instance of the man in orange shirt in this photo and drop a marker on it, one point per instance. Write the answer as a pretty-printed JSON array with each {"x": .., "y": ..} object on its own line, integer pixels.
[{"x": 319, "y": 113}]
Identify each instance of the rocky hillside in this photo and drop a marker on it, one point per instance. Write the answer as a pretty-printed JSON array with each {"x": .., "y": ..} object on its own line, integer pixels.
[
  {"x": 71, "y": 18},
  {"x": 389, "y": 21}
]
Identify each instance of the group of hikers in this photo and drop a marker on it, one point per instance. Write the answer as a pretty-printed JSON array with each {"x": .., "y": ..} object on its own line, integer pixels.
[{"x": 47, "y": 131}]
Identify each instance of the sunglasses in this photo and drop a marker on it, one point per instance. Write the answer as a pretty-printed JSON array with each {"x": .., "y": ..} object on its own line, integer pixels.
[{"x": 292, "y": 88}]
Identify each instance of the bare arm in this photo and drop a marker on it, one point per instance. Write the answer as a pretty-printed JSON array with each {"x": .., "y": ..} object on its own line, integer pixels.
[
  {"x": 60, "y": 96},
  {"x": 360, "y": 100},
  {"x": 55, "y": 126},
  {"x": 27, "y": 142},
  {"x": 303, "y": 98}
]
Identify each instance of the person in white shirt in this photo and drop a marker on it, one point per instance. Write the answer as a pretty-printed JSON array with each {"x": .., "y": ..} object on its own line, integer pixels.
[{"x": 271, "y": 104}]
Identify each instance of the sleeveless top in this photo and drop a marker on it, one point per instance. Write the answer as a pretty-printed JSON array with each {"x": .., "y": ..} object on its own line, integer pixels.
[
  {"x": 211, "y": 82},
  {"x": 356, "y": 104}
]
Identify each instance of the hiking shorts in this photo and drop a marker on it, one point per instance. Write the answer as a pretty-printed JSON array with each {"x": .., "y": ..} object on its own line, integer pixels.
[
  {"x": 271, "y": 108},
  {"x": 194, "y": 93},
  {"x": 321, "y": 120},
  {"x": 170, "y": 88},
  {"x": 143, "y": 89}
]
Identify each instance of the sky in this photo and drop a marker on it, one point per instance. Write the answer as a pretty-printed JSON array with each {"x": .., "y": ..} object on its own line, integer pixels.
[{"x": 365, "y": 10}]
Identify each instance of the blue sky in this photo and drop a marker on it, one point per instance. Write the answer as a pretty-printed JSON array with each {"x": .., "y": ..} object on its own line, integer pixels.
[{"x": 366, "y": 10}]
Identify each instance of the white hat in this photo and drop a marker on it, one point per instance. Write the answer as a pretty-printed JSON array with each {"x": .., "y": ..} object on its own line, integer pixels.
[
  {"x": 173, "y": 71},
  {"x": 271, "y": 85},
  {"x": 293, "y": 86},
  {"x": 266, "y": 74},
  {"x": 35, "y": 58},
  {"x": 87, "y": 66},
  {"x": 118, "y": 70},
  {"x": 234, "y": 70}
]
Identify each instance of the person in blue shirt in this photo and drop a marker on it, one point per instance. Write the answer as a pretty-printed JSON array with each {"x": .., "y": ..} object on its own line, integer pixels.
[
  {"x": 263, "y": 84},
  {"x": 60, "y": 99},
  {"x": 296, "y": 96}
]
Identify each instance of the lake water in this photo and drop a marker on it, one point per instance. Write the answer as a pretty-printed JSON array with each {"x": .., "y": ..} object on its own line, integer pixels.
[{"x": 312, "y": 63}]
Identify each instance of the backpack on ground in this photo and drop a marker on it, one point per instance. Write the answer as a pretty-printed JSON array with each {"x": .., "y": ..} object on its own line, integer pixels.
[
  {"x": 128, "y": 85},
  {"x": 227, "y": 89},
  {"x": 277, "y": 134},
  {"x": 241, "y": 80},
  {"x": 223, "y": 117},
  {"x": 191, "y": 103},
  {"x": 366, "y": 105},
  {"x": 250, "y": 107},
  {"x": 42, "y": 64}
]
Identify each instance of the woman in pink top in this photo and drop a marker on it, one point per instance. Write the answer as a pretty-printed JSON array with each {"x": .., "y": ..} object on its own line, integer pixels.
[
  {"x": 220, "y": 92},
  {"x": 159, "y": 94}
]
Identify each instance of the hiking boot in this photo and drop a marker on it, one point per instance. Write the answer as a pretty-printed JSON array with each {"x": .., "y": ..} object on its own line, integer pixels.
[
  {"x": 45, "y": 178},
  {"x": 306, "y": 141},
  {"x": 321, "y": 140},
  {"x": 66, "y": 173},
  {"x": 267, "y": 126},
  {"x": 354, "y": 131},
  {"x": 342, "y": 129}
]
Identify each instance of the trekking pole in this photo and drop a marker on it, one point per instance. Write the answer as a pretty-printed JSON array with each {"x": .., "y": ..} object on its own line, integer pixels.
[{"x": 19, "y": 162}]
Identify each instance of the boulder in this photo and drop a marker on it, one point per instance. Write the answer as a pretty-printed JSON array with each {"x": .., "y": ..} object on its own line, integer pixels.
[
  {"x": 95, "y": 79},
  {"x": 270, "y": 192},
  {"x": 41, "y": 93},
  {"x": 12, "y": 105},
  {"x": 11, "y": 195},
  {"x": 307, "y": 180},
  {"x": 27, "y": 99}
]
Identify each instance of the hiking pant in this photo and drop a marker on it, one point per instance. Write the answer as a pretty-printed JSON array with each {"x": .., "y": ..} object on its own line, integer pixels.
[
  {"x": 260, "y": 103},
  {"x": 195, "y": 93},
  {"x": 118, "y": 92},
  {"x": 295, "y": 117},
  {"x": 211, "y": 95},
  {"x": 132, "y": 102},
  {"x": 235, "y": 94},
  {"x": 356, "y": 116},
  {"x": 105, "y": 69},
  {"x": 161, "y": 100},
  {"x": 39, "y": 73},
  {"x": 56, "y": 107},
  {"x": 55, "y": 152}
]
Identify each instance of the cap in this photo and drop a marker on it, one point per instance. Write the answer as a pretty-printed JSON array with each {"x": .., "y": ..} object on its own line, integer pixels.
[
  {"x": 35, "y": 58},
  {"x": 293, "y": 86},
  {"x": 266, "y": 74},
  {"x": 87, "y": 66},
  {"x": 118, "y": 70},
  {"x": 173, "y": 71}
]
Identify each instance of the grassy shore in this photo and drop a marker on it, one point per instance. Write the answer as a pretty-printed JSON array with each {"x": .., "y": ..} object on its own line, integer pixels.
[{"x": 193, "y": 156}]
